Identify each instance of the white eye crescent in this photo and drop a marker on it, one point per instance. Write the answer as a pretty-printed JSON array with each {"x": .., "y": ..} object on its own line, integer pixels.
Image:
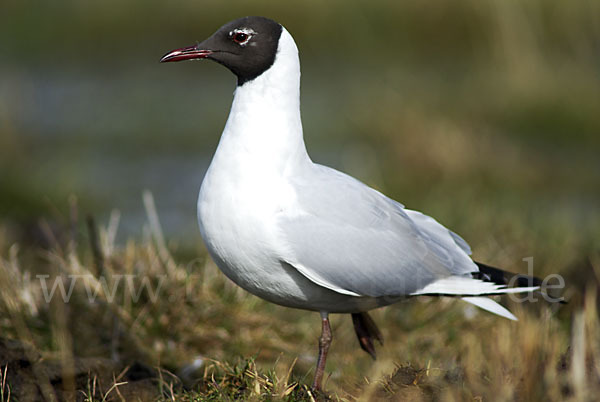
[{"x": 241, "y": 36}]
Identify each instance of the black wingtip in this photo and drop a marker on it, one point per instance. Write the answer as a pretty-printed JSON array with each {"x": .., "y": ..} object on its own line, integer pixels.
[{"x": 500, "y": 277}]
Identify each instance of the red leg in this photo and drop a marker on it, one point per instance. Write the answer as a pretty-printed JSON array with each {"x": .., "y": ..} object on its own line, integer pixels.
[
  {"x": 324, "y": 343},
  {"x": 366, "y": 332}
]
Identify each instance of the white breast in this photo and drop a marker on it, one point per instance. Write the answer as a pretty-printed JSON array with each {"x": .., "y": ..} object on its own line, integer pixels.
[{"x": 246, "y": 186}]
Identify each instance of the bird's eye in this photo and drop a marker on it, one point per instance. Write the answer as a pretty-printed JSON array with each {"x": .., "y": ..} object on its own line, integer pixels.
[{"x": 240, "y": 37}]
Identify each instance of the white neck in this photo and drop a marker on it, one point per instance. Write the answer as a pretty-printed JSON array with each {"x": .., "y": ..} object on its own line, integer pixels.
[{"x": 264, "y": 125}]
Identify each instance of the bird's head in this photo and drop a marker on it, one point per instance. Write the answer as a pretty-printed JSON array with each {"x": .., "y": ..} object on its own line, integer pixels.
[{"x": 246, "y": 46}]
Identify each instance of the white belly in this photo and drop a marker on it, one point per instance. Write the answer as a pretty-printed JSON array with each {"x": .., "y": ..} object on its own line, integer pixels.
[{"x": 237, "y": 217}]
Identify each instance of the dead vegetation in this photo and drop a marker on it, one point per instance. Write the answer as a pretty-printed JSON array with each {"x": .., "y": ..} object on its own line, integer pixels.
[{"x": 91, "y": 320}]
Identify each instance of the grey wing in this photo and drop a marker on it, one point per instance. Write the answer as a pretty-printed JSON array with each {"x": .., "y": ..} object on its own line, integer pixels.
[{"x": 354, "y": 240}]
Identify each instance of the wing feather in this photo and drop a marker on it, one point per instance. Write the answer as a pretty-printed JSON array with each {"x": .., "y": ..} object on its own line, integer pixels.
[{"x": 352, "y": 239}]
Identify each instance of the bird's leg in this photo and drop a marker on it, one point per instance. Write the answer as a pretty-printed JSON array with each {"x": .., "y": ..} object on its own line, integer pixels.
[
  {"x": 366, "y": 332},
  {"x": 324, "y": 343}
]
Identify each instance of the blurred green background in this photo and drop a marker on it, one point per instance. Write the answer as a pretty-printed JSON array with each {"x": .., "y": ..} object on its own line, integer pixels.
[{"x": 483, "y": 114}]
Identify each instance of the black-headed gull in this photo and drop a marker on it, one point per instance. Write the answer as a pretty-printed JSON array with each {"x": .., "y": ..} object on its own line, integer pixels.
[{"x": 304, "y": 235}]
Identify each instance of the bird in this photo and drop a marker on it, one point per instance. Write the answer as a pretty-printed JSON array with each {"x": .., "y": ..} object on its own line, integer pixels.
[{"x": 303, "y": 235}]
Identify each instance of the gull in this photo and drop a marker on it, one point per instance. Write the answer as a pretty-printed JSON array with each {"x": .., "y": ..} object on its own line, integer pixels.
[{"x": 303, "y": 235}]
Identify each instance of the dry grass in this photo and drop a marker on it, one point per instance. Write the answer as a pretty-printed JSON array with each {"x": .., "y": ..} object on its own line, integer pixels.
[{"x": 190, "y": 320}]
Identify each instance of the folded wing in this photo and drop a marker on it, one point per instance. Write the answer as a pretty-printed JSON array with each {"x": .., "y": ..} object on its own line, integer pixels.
[{"x": 352, "y": 239}]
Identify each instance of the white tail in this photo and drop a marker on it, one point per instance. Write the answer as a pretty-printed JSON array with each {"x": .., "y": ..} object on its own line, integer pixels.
[
  {"x": 465, "y": 286},
  {"x": 490, "y": 305}
]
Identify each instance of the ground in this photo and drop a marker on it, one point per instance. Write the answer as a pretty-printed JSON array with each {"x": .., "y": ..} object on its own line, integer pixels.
[{"x": 140, "y": 324}]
